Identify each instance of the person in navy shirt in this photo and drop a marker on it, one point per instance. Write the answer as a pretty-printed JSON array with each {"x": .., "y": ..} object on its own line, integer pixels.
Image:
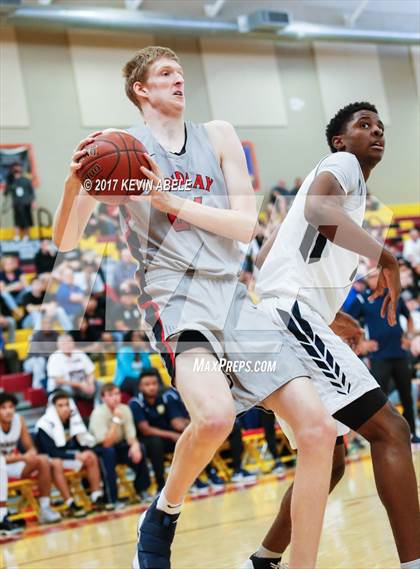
[
  {"x": 155, "y": 424},
  {"x": 391, "y": 361}
]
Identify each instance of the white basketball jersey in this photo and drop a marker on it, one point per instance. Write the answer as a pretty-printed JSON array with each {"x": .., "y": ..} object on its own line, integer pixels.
[
  {"x": 302, "y": 264},
  {"x": 9, "y": 441}
]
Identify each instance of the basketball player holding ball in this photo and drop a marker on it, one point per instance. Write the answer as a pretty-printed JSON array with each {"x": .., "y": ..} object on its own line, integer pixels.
[{"x": 196, "y": 311}]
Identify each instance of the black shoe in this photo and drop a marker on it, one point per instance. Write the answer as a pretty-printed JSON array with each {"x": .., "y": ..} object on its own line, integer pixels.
[
  {"x": 264, "y": 563},
  {"x": 155, "y": 533},
  {"x": 76, "y": 511},
  {"x": 99, "y": 504},
  {"x": 415, "y": 440},
  {"x": 9, "y": 528}
]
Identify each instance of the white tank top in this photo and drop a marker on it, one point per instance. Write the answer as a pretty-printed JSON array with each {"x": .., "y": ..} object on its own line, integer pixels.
[{"x": 10, "y": 440}]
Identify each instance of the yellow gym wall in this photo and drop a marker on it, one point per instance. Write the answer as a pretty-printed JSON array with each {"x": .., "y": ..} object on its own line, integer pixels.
[{"x": 64, "y": 102}]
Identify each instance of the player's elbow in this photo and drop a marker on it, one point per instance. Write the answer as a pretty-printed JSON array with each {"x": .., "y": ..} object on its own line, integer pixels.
[{"x": 311, "y": 212}]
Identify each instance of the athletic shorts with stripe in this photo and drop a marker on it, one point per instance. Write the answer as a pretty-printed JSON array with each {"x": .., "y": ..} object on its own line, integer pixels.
[
  {"x": 340, "y": 377},
  {"x": 233, "y": 327}
]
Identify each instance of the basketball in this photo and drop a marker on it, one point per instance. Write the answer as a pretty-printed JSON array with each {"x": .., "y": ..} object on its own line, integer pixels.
[{"x": 110, "y": 170}]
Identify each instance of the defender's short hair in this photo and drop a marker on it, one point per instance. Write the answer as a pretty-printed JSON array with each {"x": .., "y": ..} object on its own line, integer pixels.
[
  {"x": 136, "y": 69},
  {"x": 339, "y": 122}
]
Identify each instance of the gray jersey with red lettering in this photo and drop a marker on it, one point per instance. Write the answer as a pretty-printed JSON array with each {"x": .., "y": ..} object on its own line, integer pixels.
[{"x": 165, "y": 242}]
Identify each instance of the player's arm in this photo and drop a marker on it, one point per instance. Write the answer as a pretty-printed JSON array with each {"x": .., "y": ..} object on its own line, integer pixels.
[
  {"x": 240, "y": 221},
  {"x": 266, "y": 248},
  {"x": 76, "y": 205},
  {"x": 26, "y": 439},
  {"x": 332, "y": 221}
]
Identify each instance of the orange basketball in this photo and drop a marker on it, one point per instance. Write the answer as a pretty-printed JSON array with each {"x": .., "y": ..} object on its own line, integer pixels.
[{"x": 110, "y": 170}]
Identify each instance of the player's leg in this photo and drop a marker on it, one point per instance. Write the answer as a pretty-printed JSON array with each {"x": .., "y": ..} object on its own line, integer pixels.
[
  {"x": 210, "y": 406},
  {"x": 278, "y": 536},
  {"x": 389, "y": 438},
  {"x": 298, "y": 403},
  {"x": 39, "y": 465},
  {"x": 209, "y": 403},
  {"x": 401, "y": 373}
]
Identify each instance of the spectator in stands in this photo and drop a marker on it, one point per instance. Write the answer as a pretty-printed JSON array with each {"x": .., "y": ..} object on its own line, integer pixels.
[
  {"x": 7, "y": 527},
  {"x": 411, "y": 251},
  {"x": 296, "y": 186},
  {"x": 113, "y": 428},
  {"x": 70, "y": 370},
  {"x": 42, "y": 343},
  {"x": 89, "y": 279},
  {"x": 125, "y": 315},
  {"x": 391, "y": 359},
  {"x": 123, "y": 270},
  {"x": 45, "y": 257},
  {"x": 108, "y": 219},
  {"x": 95, "y": 316},
  {"x": 12, "y": 284},
  {"x": 69, "y": 296},
  {"x": 20, "y": 188},
  {"x": 9, "y": 358},
  {"x": 156, "y": 426},
  {"x": 62, "y": 434},
  {"x": 132, "y": 358},
  {"x": 14, "y": 433},
  {"x": 8, "y": 324},
  {"x": 37, "y": 302}
]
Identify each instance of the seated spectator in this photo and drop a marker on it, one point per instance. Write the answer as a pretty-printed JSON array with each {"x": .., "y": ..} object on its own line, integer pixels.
[
  {"x": 69, "y": 296},
  {"x": 89, "y": 279},
  {"x": 7, "y": 528},
  {"x": 43, "y": 343},
  {"x": 125, "y": 315},
  {"x": 124, "y": 269},
  {"x": 156, "y": 426},
  {"x": 296, "y": 186},
  {"x": 9, "y": 357},
  {"x": 132, "y": 358},
  {"x": 12, "y": 284},
  {"x": 45, "y": 257},
  {"x": 37, "y": 302},
  {"x": 14, "y": 432},
  {"x": 268, "y": 423},
  {"x": 62, "y": 434},
  {"x": 70, "y": 370},
  {"x": 113, "y": 428},
  {"x": 8, "y": 324},
  {"x": 411, "y": 251}
]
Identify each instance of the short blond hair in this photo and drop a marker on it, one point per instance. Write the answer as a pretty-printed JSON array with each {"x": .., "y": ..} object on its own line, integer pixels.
[{"x": 136, "y": 69}]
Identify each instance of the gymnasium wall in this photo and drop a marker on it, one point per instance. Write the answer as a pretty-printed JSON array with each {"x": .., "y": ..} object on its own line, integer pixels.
[{"x": 278, "y": 96}]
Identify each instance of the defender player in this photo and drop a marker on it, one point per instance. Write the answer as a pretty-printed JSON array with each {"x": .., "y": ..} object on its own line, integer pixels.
[
  {"x": 195, "y": 308},
  {"x": 307, "y": 268}
]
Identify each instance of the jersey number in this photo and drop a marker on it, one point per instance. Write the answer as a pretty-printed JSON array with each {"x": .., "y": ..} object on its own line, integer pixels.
[{"x": 180, "y": 224}]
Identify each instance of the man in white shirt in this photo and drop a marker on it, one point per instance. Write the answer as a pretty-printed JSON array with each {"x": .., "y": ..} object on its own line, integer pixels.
[{"x": 71, "y": 370}]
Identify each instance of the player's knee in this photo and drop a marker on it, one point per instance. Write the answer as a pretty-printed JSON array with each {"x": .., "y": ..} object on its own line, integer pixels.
[
  {"x": 390, "y": 427},
  {"x": 90, "y": 459},
  {"x": 215, "y": 426},
  {"x": 316, "y": 434},
  {"x": 56, "y": 464}
]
